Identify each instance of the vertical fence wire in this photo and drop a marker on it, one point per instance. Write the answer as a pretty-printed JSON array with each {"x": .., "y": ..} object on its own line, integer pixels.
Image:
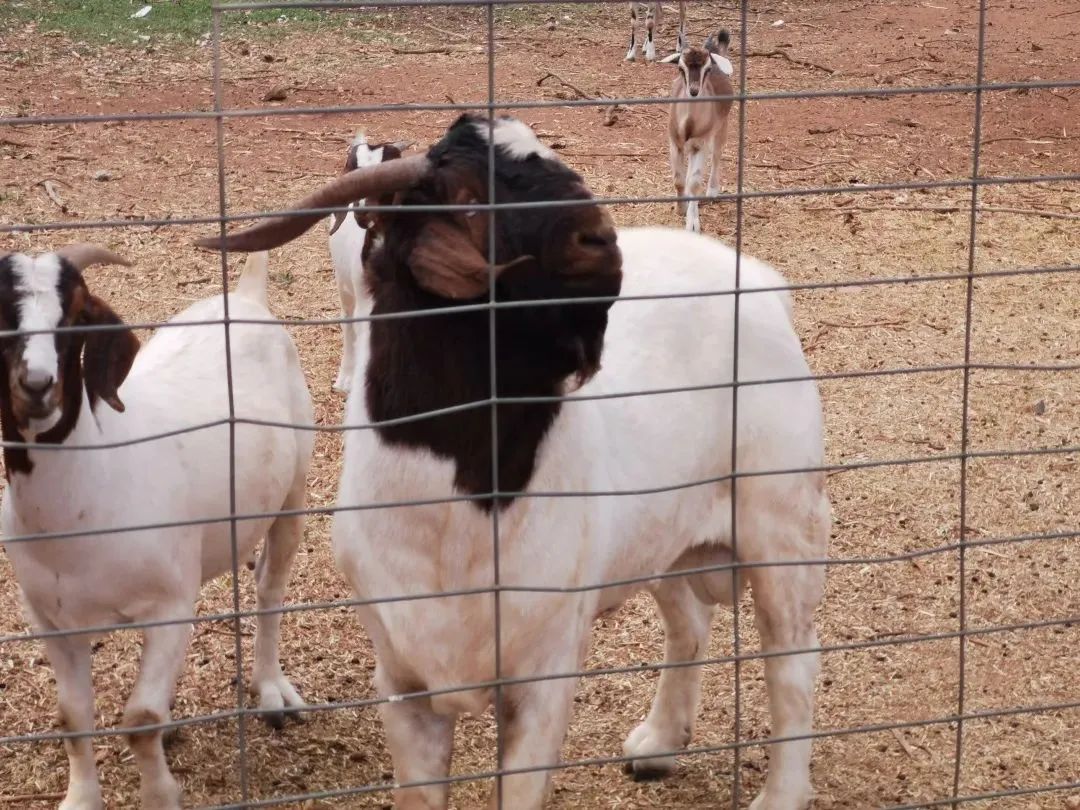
[
  {"x": 219, "y": 135},
  {"x": 496, "y": 594},
  {"x": 736, "y": 573},
  {"x": 965, "y": 405}
]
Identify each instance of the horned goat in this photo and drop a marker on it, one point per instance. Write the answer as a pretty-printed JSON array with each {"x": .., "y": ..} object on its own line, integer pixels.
[
  {"x": 351, "y": 239},
  {"x": 697, "y": 130},
  {"x": 62, "y": 481},
  {"x": 670, "y": 453}
]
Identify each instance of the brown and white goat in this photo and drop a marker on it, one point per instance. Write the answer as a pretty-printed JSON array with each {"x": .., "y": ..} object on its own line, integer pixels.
[
  {"x": 144, "y": 517},
  {"x": 697, "y": 130},
  {"x": 652, "y": 22},
  {"x": 671, "y": 453}
]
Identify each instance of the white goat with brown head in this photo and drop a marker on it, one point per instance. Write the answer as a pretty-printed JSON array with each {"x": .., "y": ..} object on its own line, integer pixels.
[
  {"x": 698, "y": 129},
  {"x": 118, "y": 471}
]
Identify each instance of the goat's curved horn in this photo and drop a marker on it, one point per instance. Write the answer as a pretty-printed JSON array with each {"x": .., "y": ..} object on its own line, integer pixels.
[
  {"x": 367, "y": 181},
  {"x": 83, "y": 254}
]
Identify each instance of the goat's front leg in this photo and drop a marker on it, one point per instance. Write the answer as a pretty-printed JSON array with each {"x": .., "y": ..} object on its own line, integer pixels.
[
  {"x": 784, "y": 602},
  {"x": 535, "y": 717},
  {"x": 631, "y": 55},
  {"x": 421, "y": 744},
  {"x": 670, "y": 723},
  {"x": 70, "y": 658},
  {"x": 677, "y": 158},
  {"x": 695, "y": 187},
  {"x": 718, "y": 139},
  {"x": 268, "y": 682},
  {"x": 162, "y": 660},
  {"x": 652, "y": 23}
]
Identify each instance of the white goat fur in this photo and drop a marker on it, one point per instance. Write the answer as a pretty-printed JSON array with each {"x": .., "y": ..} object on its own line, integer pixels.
[
  {"x": 178, "y": 380},
  {"x": 634, "y": 443},
  {"x": 697, "y": 131},
  {"x": 346, "y": 249}
]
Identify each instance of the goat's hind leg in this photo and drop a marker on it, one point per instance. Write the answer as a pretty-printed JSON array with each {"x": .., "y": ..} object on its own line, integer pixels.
[
  {"x": 719, "y": 138},
  {"x": 670, "y": 724},
  {"x": 70, "y": 659},
  {"x": 268, "y": 682},
  {"x": 631, "y": 55},
  {"x": 652, "y": 24},
  {"x": 785, "y": 598}
]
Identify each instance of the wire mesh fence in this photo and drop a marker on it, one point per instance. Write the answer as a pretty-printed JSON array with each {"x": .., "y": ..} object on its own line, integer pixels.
[{"x": 956, "y": 545}]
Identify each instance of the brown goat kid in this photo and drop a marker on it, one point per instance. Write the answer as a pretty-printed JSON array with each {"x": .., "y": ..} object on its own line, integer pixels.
[{"x": 697, "y": 130}]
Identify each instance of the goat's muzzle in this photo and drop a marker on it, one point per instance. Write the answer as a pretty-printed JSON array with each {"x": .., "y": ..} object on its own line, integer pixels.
[{"x": 35, "y": 398}]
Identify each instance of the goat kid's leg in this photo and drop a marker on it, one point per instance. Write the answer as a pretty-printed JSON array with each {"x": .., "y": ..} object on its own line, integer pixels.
[
  {"x": 677, "y": 158},
  {"x": 695, "y": 187},
  {"x": 70, "y": 659},
  {"x": 421, "y": 744},
  {"x": 680, "y": 39},
  {"x": 162, "y": 659},
  {"x": 535, "y": 718},
  {"x": 632, "y": 54},
  {"x": 652, "y": 23},
  {"x": 268, "y": 682},
  {"x": 670, "y": 724},
  {"x": 348, "y": 338},
  {"x": 718, "y": 140},
  {"x": 784, "y": 602}
]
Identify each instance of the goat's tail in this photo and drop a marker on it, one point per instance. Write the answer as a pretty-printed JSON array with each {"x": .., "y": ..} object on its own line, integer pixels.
[
  {"x": 719, "y": 42},
  {"x": 252, "y": 283}
]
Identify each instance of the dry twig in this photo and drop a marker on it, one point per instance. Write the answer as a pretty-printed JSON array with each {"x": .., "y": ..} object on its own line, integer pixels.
[
  {"x": 581, "y": 93},
  {"x": 792, "y": 59}
]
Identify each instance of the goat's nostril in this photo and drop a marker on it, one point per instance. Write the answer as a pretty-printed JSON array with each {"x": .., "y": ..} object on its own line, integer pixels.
[
  {"x": 37, "y": 382},
  {"x": 598, "y": 239}
]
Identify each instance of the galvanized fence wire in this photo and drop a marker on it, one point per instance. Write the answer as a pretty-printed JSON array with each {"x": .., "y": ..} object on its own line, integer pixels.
[{"x": 494, "y": 106}]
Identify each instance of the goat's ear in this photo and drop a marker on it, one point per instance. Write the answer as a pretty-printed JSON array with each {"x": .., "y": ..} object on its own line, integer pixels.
[
  {"x": 445, "y": 261},
  {"x": 723, "y": 64},
  {"x": 671, "y": 59},
  {"x": 108, "y": 354}
]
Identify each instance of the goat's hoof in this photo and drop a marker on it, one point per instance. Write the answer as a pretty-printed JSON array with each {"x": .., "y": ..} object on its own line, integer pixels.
[
  {"x": 279, "y": 701},
  {"x": 342, "y": 386},
  {"x": 798, "y": 799},
  {"x": 631, "y": 56},
  {"x": 82, "y": 798},
  {"x": 643, "y": 743},
  {"x": 641, "y": 771}
]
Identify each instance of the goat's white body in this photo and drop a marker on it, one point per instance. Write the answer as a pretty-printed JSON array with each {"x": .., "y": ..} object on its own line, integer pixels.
[
  {"x": 622, "y": 444},
  {"x": 346, "y": 251},
  {"x": 178, "y": 380}
]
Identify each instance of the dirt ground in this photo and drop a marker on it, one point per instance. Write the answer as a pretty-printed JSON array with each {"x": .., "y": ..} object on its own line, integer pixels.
[{"x": 168, "y": 169}]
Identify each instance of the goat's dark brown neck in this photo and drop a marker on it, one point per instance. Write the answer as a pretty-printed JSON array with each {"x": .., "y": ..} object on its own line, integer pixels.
[{"x": 435, "y": 362}]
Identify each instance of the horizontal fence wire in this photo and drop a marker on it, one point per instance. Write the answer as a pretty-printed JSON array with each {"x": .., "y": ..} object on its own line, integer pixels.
[
  {"x": 862, "y": 188},
  {"x": 963, "y": 546}
]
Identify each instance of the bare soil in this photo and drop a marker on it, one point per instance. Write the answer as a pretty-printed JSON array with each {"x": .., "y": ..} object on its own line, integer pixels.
[{"x": 159, "y": 169}]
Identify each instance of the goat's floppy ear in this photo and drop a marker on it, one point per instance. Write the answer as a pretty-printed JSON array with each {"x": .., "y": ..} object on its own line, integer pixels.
[
  {"x": 671, "y": 59},
  {"x": 108, "y": 354},
  {"x": 445, "y": 262},
  {"x": 722, "y": 63}
]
